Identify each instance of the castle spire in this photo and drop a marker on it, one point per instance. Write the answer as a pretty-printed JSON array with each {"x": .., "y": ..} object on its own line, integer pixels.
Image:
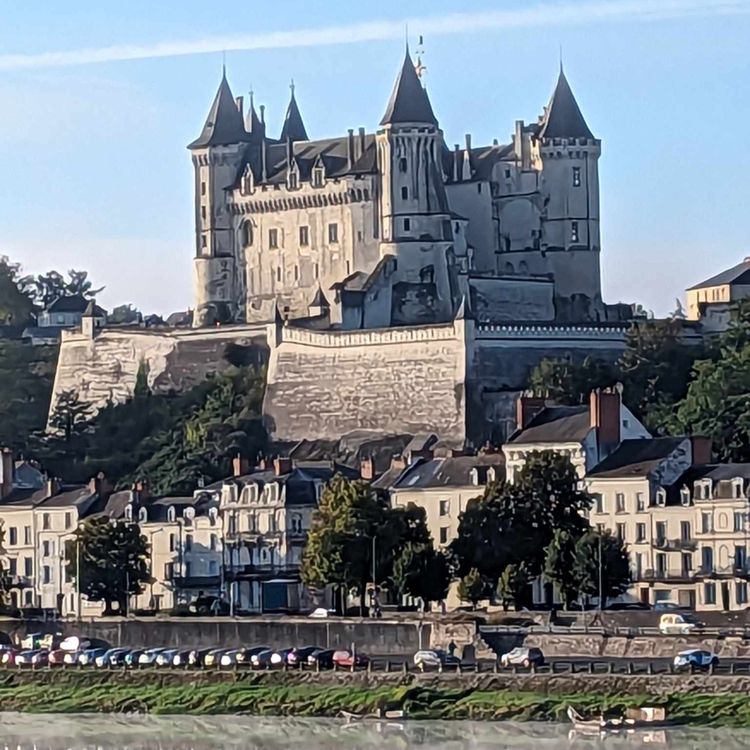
[
  {"x": 294, "y": 127},
  {"x": 224, "y": 124},
  {"x": 563, "y": 118},
  {"x": 253, "y": 124},
  {"x": 409, "y": 101}
]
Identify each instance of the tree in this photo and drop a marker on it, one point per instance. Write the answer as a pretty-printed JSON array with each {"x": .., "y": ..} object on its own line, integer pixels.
[
  {"x": 4, "y": 577},
  {"x": 602, "y": 554},
  {"x": 560, "y": 565},
  {"x": 564, "y": 382},
  {"x": 472, "y": 587},
  {"x": 717, "y": 402},
  {"x": 51, "y": 286},
  {"x": 70, "y": 417},
  {"x": 422, "y": 572},
  {"x": 513, "y": 585},
  {"x": 112, "y": 560},
  {"x": 16, "y": 300}
]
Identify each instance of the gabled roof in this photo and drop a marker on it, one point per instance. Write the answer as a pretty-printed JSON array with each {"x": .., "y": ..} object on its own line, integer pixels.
[
  {"x": 555, "y": 424},
  {"x": 739, "y": 274},
  {"x": 409, "y": 101},
  {"x": 444, "y": 472},
  {"x": 224, "y": 123},
  {"x": 294, "y": 127},
  {"x": 636, "y": 458},
  {"x": 73, "y": 303},
  {"x": 563, "y": 118}
]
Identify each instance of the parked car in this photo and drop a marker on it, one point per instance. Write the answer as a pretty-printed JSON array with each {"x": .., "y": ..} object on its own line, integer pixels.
[
  {"x": 118, "y": 656},
  {"x": 261, "y": 659},
  {"x": 522, "y": 657},
  {"x": 148, "y": 657},
  {"x": 165, "y": 658},
  {"x": 628, "y": 606},
  {"x": 57, "y": 657},
  {"x": 320, "y": 613},
  {"x": 345, "y": 658},
  {"x": 8, "y": 656},
  {"x": 213, "y": 658},
  {"x": 322, "y": 658},
  {"x": 32, "y": 658},
  {"x": 88, "y": 656},
  {"x": 181, "y": 657},
  {"x": 695, "y": 658},
  {"x": 669, "y": 607},
  {"x": 245, "y": 655},
  {"x": 298, "y": 656},
  {"x": 104, "y": 661},
  {"x": 673, "y": 624},
  {"x": 132, "y": 657},
  {"x": 278, "y": 658},
  {"x": 197, "y": 656},
  {"x": 434, "y": 658},
  {"x": 229, "y": 658}
]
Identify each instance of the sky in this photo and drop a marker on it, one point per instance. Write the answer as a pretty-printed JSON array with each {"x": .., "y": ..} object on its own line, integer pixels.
[{"x": 98, "y": 100}]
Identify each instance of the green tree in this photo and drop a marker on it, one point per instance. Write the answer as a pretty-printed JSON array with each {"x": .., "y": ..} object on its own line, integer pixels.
[
  {"x": 51, "y": 286},
  {"x": 422, "y": 572},
  {"x": 472, "y": 587},
  {"x": 564, "y": 382},
  {"x": 112, "y": 560},
  {"x": 560, "y": 565},
  {"x": 513, "y": 586},
  {"x": 16, "y": 301},
  {"x": 717, "y": 403},
  {"x": 602, "y": 554},
  {"x": 70, "y": 417}
]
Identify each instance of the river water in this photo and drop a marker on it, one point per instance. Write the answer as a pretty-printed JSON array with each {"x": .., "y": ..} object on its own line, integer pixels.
[{"x": 110, "y": 732}]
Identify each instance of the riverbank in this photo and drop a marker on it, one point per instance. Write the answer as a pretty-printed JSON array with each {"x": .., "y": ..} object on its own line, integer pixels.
[{"x": 698, "y": 700}]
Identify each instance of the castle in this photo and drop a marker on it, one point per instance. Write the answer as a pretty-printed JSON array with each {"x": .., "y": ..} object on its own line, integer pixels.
[
  {"x": 392, "y": 228},
  {"x": 393, "y": 285}
]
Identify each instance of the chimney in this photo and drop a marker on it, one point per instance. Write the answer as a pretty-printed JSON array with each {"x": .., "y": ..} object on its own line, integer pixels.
[
  {"x": 350, "y": 149},
  {"x": 240, "y": 466},
  {"x": 466, "y": 173},
  {"x": 262, "y": 463},
  {"x": 53, "y": 486},
  {"x": 140, "y": 491},
  {"x": 240, "y": 102},
  {"x": 456, "y": 160},
  {"x": 701, "y": 448},
  {"x": 6, "y": 472},
  {"x": 367, "y": 469},
  {"x": 361, "y": 141},
  {"x": 263, "y": 159},
  {"x": 282, "y": 466},
  {"x": 99, "y": 485},
  {"x": 604, "y": 416},
  {"x": 468, "y": 141},
  {"x": 398, "y": 462},
  {"x": 527, "y": 407}
]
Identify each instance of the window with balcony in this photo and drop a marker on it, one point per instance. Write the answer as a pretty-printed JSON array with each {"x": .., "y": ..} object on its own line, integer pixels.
[
  {"x": 621, "y": 532},
  {"x": 445, "y": 507},
  {"x": 707, "y": 559},
  {"x": 661, "y": 532},
  {"x": 28, "y": 567},
  {"x": 740, "y": 590},
  {"x": 12, "y": 536},
  {"x": 707, "y": 523},
  {"x": 709, "y": 592},
  {"x": 685, "y": 531},
  {"x": 687, "y": 564},
  {"x": 640, "y": 502},
  {"x": 739, "y": 521},
  {"x": 640, "y": 532},
  {"x": 333, "y": 233},
  {"x": 661, "y": 563},
  {"x": 27, "y": 534},
  {"x": 188, "y": 543},
  {"x": 304, "y": 236},
  {"x": 46, "y": 574}
]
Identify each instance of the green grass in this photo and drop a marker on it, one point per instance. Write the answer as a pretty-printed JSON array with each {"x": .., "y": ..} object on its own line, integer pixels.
[{"x": 252, "y": 694}]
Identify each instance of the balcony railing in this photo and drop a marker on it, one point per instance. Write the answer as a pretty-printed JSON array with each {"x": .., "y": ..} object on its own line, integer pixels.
[
  {"x": 725, "y": 571},
  {"x": 675, "y": 545},
  {"x": 666, "y": 575}
]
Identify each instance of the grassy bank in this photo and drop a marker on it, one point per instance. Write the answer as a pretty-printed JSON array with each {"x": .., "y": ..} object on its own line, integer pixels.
[{"x": 108, "y": 693}]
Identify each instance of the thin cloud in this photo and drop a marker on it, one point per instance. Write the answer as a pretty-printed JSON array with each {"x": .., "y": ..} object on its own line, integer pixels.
[{"x": 543, "y": 14}]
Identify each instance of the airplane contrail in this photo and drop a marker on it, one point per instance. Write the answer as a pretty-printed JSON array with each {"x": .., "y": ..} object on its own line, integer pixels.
[{"x": 550, "y": 14}]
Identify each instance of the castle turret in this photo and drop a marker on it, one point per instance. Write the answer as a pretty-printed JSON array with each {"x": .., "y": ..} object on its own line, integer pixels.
[
  {"x": 216, "y": 155},
  {"x": 414, "y": 212},
  {"x": 293, "y": 128},
  {"x": 570, "y": 153}
]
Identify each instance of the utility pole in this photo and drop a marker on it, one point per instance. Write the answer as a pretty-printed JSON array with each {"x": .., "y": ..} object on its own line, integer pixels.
[
  {"x": 78, "y": 576},
  {"x": 374, "y": 595},
  {"x": 600, "y": 573}
]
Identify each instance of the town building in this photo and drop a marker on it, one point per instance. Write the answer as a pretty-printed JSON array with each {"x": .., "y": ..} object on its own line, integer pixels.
[
  {"x": 64, "y": 313},
  {"x": 711, "y": 301}
]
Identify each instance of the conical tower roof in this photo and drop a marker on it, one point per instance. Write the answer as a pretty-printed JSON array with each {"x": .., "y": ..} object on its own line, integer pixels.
[
  {"x": 224, "y": 123},
  {"x": 253, "y": 124},
  {"x": 409, "y": 101},
  {"x": 294, "y": 127},
  {"x": 564, "y": 118}
]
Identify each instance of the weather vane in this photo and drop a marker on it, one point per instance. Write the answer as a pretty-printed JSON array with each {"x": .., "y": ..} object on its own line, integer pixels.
[{"x": 420, "y": 67}]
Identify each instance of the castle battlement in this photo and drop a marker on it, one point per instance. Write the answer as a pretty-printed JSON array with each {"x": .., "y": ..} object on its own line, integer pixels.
[
  {"x": 612, "y": 332},
  {"x": 372, "y": 337}
]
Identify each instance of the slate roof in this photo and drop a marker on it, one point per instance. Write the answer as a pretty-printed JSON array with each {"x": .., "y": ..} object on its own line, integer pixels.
[
  {"x": 224, "y": 124},
  {"x": 74, "y": 303},
  {"x": 739, "y": 274},
  {"x": 67, "y": 497},
  {"x": 294, "y": 127},
  {"x": 443, "y": 472},
  {"x": 44, "y": 332},
  {"x": 636, "y": 458},
  {"x": 555, "y": 424},
  {"x": 563, "y": 118},
  {"x": 409, "y": 102}
]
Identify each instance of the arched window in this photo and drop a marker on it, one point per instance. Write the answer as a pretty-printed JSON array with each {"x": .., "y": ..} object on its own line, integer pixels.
[
  {"x": 143, "y": 515},
  {"x": 171, "y": 515},
  {"x": 247, "y": 234},
  {"x": 509, "y": 269},
  {"x": 523, "y": 267}
]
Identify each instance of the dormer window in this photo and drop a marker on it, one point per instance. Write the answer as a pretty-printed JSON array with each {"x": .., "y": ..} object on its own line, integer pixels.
[
  {"x": 142, "y": 515},
  {"x": 491, "y": 475},
  {"x": 189, "y": 515},
  {"x": 128, "y": 512},
  {"x": 685, "y": 498},
  {"x": 213, "y": 514},
  {"x": 292, "y": 181},
  {"x": 737, "y": 487},
  {"x": 171, "y": 514},
  {"x": 661, "y": 497},
  {"x": 248, "y": 183},
  {"x": 318, "y": 177},
  {"x": 247, "y": 234},
  {"x": 474, "y": 476}
]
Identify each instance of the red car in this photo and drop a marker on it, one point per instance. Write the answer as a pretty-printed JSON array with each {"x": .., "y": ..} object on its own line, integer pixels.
[
  {"x": 345, "y": 658},
  {"x": 8, "y": 657},
  {"x": 56, "y": 657}
]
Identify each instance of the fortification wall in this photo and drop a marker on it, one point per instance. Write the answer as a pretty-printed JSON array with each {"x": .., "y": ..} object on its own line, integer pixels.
[
  {"x": 407, "y": 380},
  {"x": 104, "y": 367}
]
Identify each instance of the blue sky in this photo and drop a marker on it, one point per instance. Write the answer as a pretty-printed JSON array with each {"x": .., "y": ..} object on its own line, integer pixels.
[{"x": 97, "y": 107}]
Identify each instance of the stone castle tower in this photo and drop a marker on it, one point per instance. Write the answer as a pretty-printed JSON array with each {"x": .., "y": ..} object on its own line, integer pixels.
[{"x": 394, "y": 228}]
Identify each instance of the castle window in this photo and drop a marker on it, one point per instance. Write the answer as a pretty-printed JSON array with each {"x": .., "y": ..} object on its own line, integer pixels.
[
  {"x": 273, "y": 238},
  {"x": 402, "y": 165},
  {"x": 204, "y": 242},
  {"x": 574, "y": 231},
  {"x": 293, "y": 182},
  {"x": 317, "y": 177},
  {"x": 404, "y": 193},
  {"x": 247, "y": 234},
  {"x": 278, "y": 273},
  {"x": 407, "y": 225},
  {"x": 296, "y": 273},
  {"x": 576, "y": 177},
  {"x": 304, "y": 236},
  {"x": 507, "y": 174},
  {"x": 479, "y": 187},
  {"x": 333, "y": 233},
  {"x": 316, "y": 270},
  {"x": 203, "y": 188}
]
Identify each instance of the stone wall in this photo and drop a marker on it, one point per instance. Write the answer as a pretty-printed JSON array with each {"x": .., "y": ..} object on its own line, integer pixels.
[
  {"x": 406, "y": 380},
  {"x": 104, "y": 368}
]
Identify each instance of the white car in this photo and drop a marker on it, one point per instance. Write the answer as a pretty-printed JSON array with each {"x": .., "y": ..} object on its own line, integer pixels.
[
  {"x": 319, "y": 613},
  {"x": 674, "y": 624},
  {"x": 696, "y": 658},
  {"x": 522, "y": 657},
  {"x": 434, "y": 658}
]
